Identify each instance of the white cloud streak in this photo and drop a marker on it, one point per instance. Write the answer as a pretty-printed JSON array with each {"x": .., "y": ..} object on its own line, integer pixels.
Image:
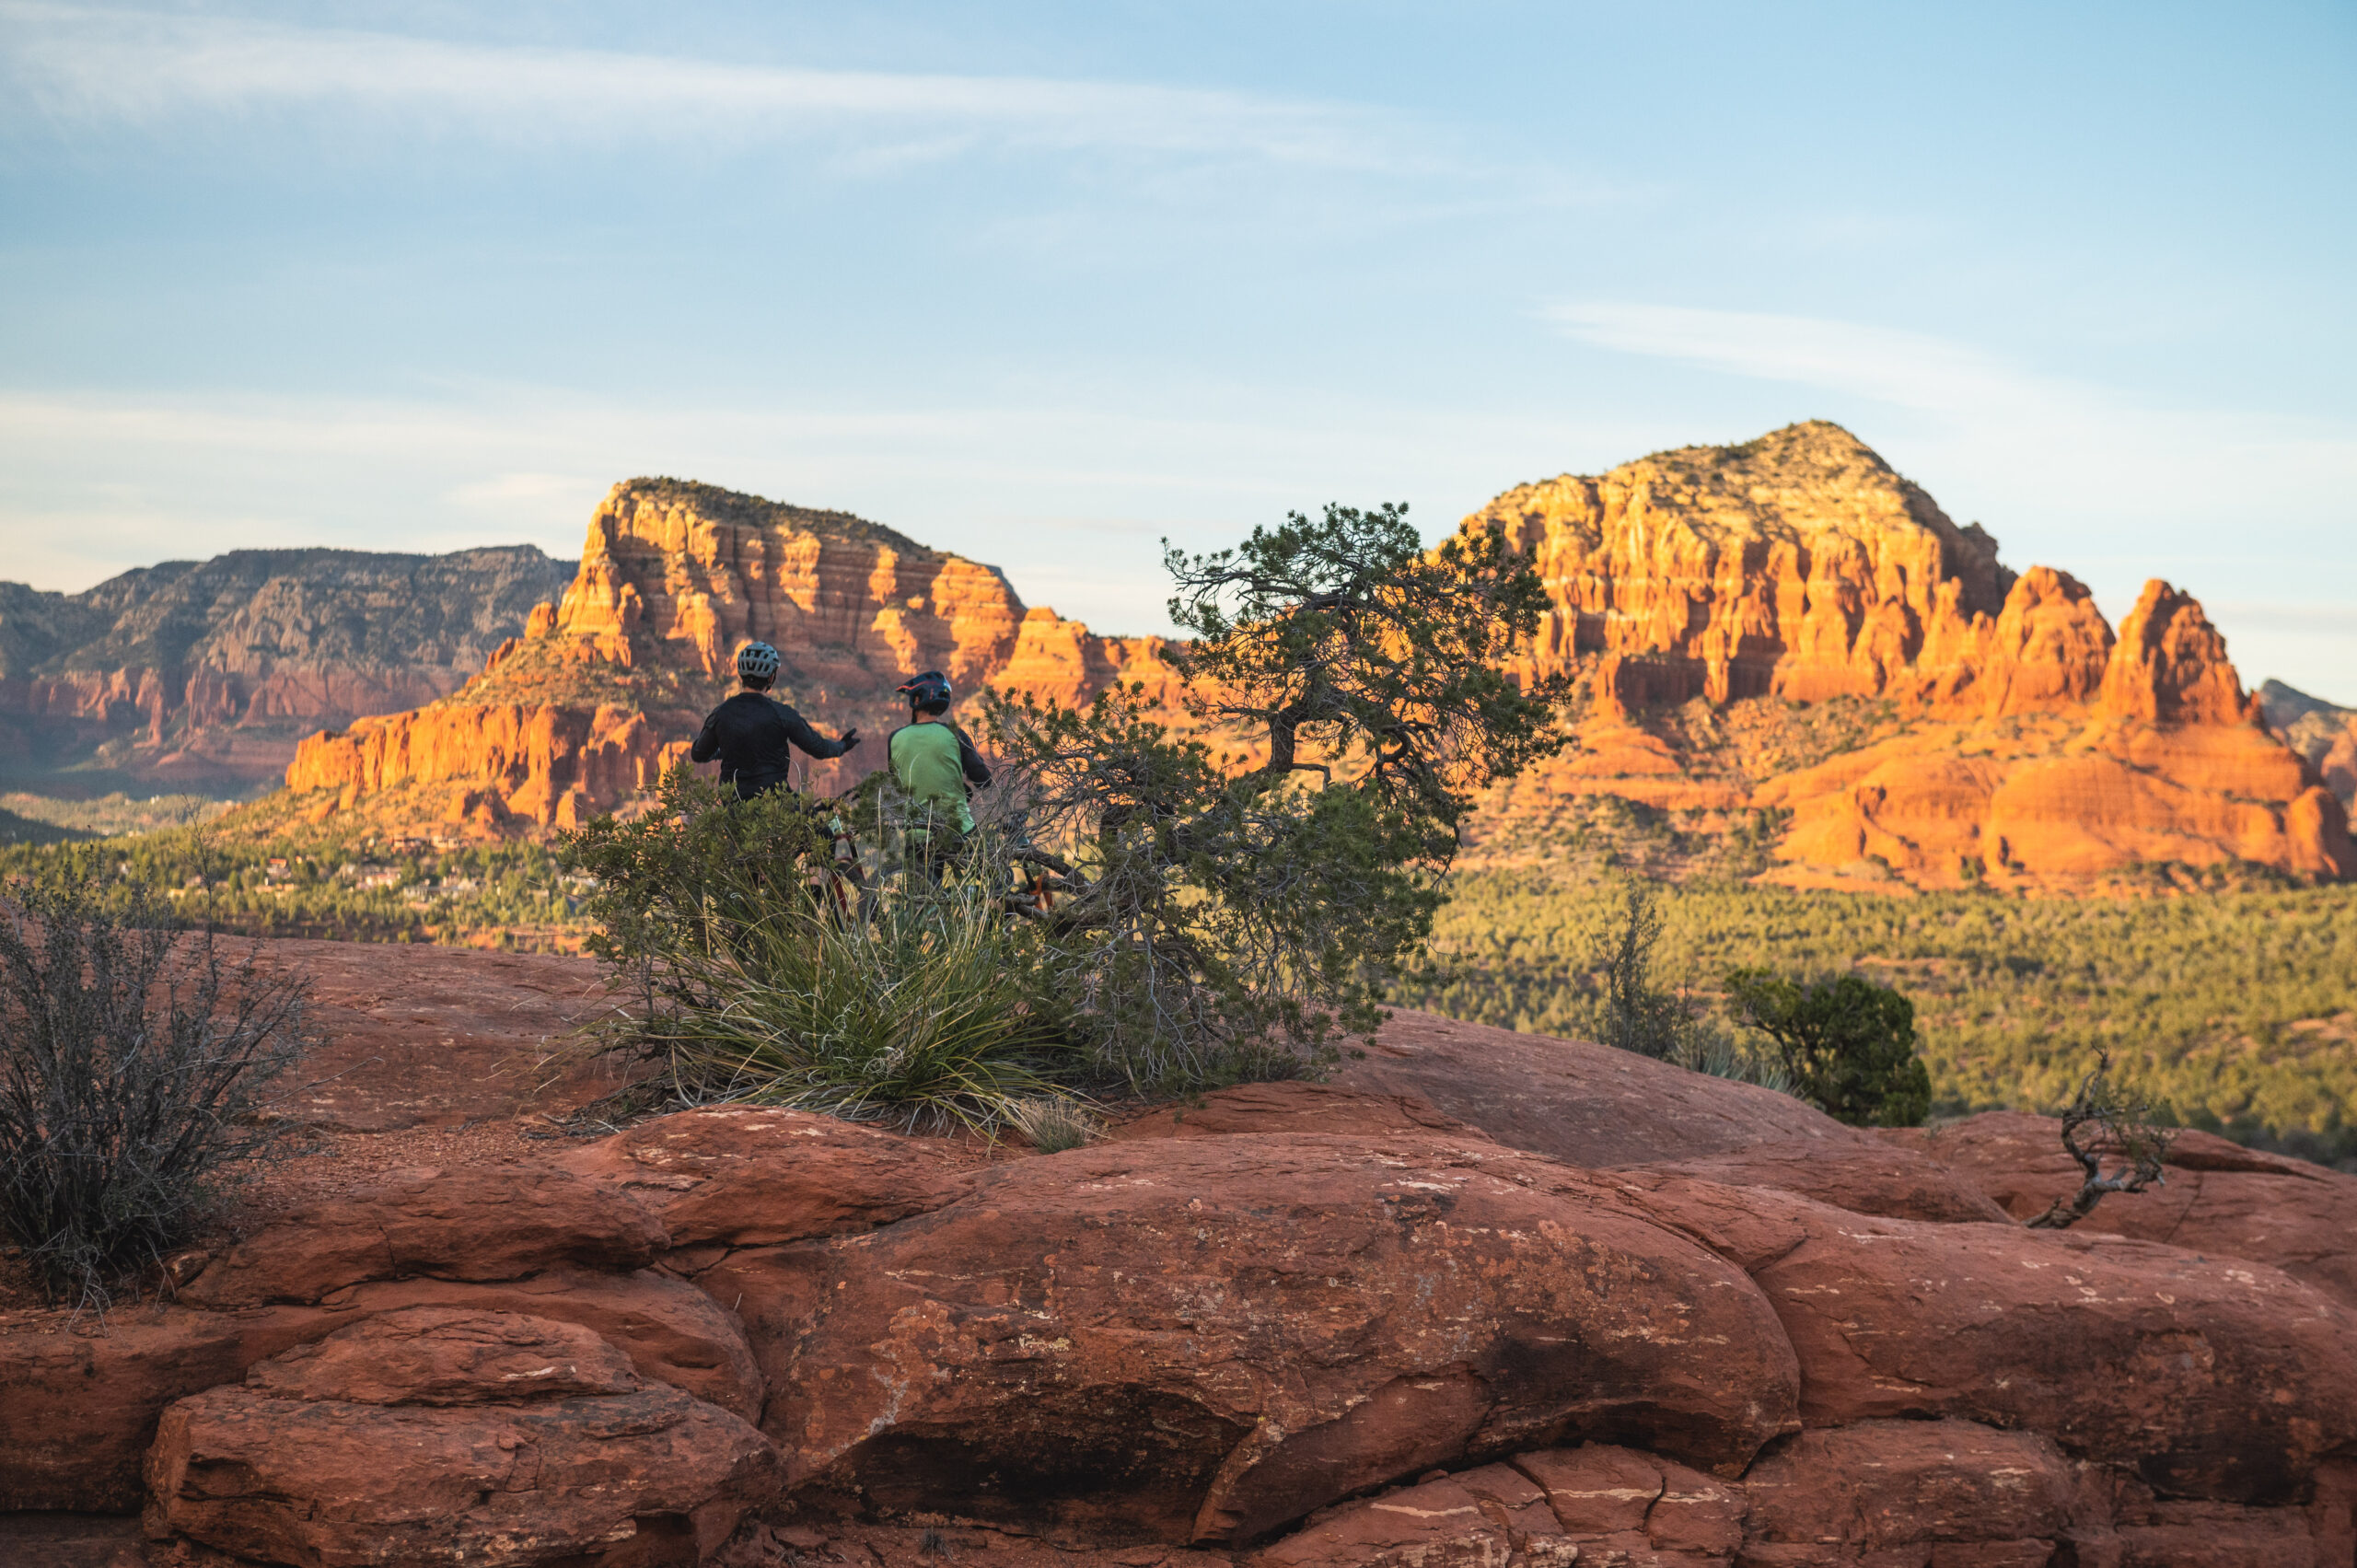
[
  {"x": 114, "y": 66},
  {"x": 1905, "y": 369}
]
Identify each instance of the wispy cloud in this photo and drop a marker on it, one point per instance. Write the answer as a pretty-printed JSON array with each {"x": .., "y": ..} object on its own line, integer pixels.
[
  {"x": 2014, "y": 418},
  {"x": 1907, "y": 368},
  {"x": 108, "y": 65}
]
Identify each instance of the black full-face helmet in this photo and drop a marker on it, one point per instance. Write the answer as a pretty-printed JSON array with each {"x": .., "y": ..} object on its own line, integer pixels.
[
  {"x": 929, "y": 692},
  {"x": 757, "y": 661}
]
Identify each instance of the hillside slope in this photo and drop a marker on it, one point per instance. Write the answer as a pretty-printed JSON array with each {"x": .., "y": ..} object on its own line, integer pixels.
[
  {"x": 204, "y": 674},
  {"x": 2326, "y": 735}
]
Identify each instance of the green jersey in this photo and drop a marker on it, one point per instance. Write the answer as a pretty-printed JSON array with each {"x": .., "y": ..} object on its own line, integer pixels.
[{"x": 925, "y": 761}]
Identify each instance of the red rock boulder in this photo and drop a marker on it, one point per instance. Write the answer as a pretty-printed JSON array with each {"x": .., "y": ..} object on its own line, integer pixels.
[
  {"x": 748, "y": 1174},
  {"x": 2218, "y": 1197},
  {"x": 491, "y": 1222},
  {"x": 2207, "y": 1377},
  {"x": 433, "y": 1436},
  {"x": 1208, "y": 1337}
]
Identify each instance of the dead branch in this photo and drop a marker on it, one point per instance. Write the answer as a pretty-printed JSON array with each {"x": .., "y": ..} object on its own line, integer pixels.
[{"x": 2123, "y": 1131}]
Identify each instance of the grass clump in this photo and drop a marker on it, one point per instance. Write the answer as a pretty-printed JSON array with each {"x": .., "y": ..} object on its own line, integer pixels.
[
  {"x": 1053, "y": 1125},
  {"x": 921, "y": 1016},
  {"x": 135, "y": 1062},
  {"x": 761, "y": 966}
]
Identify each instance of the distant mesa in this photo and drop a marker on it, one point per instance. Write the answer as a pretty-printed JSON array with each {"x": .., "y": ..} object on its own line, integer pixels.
[
  {"x": 1780, "y": 637},
  {"x": 205, "y": 675}
]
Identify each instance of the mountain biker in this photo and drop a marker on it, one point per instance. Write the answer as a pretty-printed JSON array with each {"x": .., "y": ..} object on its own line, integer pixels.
[
  {"x": 937, "y": 764},
  {"x": 751, "y": 731}
]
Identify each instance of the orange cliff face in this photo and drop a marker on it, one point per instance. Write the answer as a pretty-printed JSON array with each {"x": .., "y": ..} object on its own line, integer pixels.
[
  {"x": 604, "y": 690},
  {"x": 1784, "y": 632},
  {"x": 2002, "y": 732}
]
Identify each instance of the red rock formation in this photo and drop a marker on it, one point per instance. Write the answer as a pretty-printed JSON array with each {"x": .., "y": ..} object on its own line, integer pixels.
[
  {"x": 1064, "y": 662},
  {"x": 1796, "y": 565},
  {"x": 2170, "y": 666},
  {"x": 2025, "y": 746},
  {"x": 438, "y": 1436},
  {"x": 2048, "y": 651},
  {"x": 2032, "y": 749},
  {"x": 2218, "y": 1197},
  {"x": 601, "y": 692}
]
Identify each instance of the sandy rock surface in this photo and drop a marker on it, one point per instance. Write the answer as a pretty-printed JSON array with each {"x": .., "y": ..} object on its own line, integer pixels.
[
  {"x": 1584, "y": 1104},
  {"x": 419, "y": 1036}
]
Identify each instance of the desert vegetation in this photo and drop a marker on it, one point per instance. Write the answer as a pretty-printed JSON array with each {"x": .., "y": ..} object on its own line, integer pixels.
[
  {"x": 136, "y": 1062},
  {"x": 336, "y": 885},
  {"x": 2228, "y": 1011}
]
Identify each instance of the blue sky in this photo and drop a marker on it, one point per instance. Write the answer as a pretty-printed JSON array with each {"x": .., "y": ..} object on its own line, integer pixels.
[{"x": 1043, "y": 282}]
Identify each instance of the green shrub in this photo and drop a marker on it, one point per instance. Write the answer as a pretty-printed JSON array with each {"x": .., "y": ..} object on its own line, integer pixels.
[
  {"x": 1216, "y": 922},
  {"x": 922, "y": 1015},
  {"x": 1849, "y": 1044},
  {"x": 134, "y": 1064},
  {"x": 1637, "y": 1014},
  {"x": 756, "y": 972}
]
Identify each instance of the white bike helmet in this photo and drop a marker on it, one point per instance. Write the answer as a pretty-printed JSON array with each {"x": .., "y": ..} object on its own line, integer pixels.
[{"x": 757, "y": 661}]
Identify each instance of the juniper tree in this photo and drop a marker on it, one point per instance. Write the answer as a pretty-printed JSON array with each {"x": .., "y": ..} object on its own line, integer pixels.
[{"x": 1226, "y": 913}]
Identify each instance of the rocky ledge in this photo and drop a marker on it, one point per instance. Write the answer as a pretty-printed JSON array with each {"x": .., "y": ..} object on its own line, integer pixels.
[{"x": 1646, "y": 1317}]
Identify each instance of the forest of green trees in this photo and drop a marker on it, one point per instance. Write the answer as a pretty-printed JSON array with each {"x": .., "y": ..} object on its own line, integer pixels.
[
  {"x": 339, "y": 885},
  {"x": 2234, "y": 1011}
]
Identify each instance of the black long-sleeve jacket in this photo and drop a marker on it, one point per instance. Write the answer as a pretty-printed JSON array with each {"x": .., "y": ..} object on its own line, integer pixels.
[{"x": 749, "y": 734}]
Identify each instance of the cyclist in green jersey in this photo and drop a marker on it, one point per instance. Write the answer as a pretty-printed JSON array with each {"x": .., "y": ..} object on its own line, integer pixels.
[{"x": 937, "y": 764}]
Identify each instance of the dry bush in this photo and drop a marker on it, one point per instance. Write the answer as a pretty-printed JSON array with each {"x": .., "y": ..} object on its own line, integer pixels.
[{"x": 132, "y": 1064}]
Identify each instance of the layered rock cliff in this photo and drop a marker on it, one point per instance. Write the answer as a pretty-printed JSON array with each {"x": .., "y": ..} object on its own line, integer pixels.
[
  {"x": 605, "y": 687},
  {"x": 1716, "y": 603},
  {"x": 2006, "y": 734},
  {"x": 206, "y": 674}
]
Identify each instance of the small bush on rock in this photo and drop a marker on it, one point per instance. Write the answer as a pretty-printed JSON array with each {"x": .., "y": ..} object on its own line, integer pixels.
[
  {"x": 2099, "y": 1125},
  {"x": 758, "y": 976},
  {"x": 135, "y": 1060},
  {"x": 1849, "y": 1044}
]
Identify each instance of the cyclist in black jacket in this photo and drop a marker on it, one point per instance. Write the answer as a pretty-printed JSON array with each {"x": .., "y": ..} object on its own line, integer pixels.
[{"x": 749, "y": 733}]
